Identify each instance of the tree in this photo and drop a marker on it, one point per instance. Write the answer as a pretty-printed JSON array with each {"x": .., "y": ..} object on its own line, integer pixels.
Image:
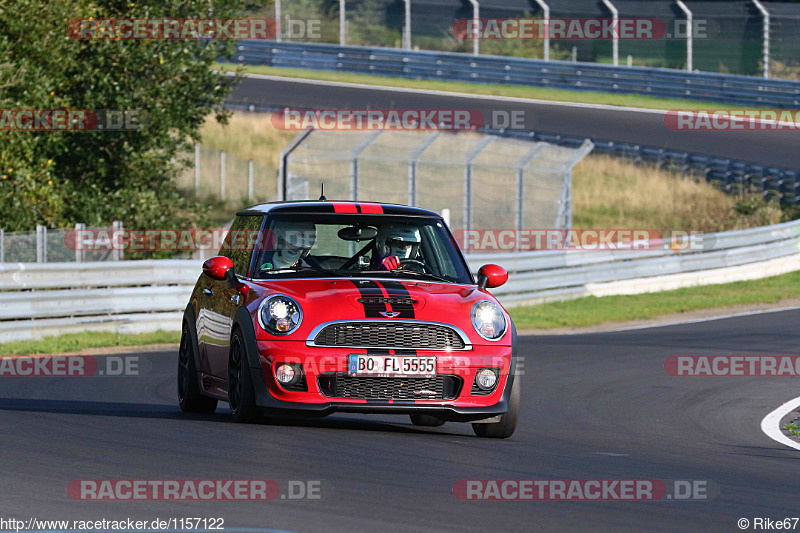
[{"x": 59, "y": 178}]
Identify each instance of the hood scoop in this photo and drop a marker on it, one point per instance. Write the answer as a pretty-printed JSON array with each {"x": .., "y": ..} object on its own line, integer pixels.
[{"x": 382, "y": 300}]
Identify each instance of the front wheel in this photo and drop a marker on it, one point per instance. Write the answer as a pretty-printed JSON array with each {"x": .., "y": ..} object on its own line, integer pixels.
[
  {"x": 508, "y": 421},
  {"x": 241, "y": 394},
  {"x": 189, "y": 397}
]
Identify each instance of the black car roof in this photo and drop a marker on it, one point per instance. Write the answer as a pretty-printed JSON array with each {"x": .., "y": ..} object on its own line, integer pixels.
[{"x": 334, "y": 206}]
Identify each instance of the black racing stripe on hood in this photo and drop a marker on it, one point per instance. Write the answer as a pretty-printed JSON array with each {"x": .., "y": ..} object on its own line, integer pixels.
[
  {"x": 370, "y": 289},
  {"x": 395, "y": 288}
]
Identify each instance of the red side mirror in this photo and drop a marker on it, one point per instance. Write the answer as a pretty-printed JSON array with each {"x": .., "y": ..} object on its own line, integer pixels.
[
  {"x": 491, "y": 276},
  {"x": 217, "y": 267}
]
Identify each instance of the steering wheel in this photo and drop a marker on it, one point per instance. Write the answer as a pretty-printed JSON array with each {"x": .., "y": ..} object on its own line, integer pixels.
[{"x": 416, "y": 262}]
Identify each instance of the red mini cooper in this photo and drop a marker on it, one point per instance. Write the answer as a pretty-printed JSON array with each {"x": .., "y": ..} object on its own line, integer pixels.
[{"x": 317, "y": 307}]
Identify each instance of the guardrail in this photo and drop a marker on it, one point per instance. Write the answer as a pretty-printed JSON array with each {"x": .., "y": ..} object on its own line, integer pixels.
[
  {"x": 39, "y": 300},
  {"x": 729, "y": 175},
  {"x": 650, "y": 81}
]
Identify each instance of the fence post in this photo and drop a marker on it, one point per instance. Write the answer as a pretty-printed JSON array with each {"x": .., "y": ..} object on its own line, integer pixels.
[
  {"x": 2, "y": 245},
  {"x": 765, "y": 15},
  {"x": 476, "y": 16},
  {"x": 354, "y": 163},
  {"x": 342, "y": 23},
  {"x": 278, "y": 20},
  {"x": 283, "y": 172},
  {"x": 546, "y": 13},
  {"x": 196, "y": 170},
  {"x": 615, "y": 35},
  {"x": 222, "y": 175},
  {"x": 40, "y": 244},
  {"x": 78, "y": 250},
  {"x": 520, "y": 207},
  {"x": 407, "y": 26},
  {"x": 564, "y": 216},
  {"x": 116, "y": 253},
  {"x": 250, "y": 181},
  {"x": 412, "y": 166},
  {"x": 468, "y": 181},
  {"x": 689, "y": 32},
  {"x": 446, "y": 216}
]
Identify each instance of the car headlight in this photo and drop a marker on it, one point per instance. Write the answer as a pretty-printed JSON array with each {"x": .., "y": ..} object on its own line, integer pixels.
[
  {"x": 488, "y": 320},
  {"x": 280, "y": 315}
]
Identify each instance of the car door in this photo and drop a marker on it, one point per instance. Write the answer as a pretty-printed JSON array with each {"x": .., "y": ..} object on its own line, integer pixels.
[{"x": 223, "y": 296}]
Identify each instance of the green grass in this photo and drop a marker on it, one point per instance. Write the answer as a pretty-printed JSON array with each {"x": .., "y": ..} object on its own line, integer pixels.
[
  {"x": 572, "y": 313},
  {"x": 74, "y": 342},
  {"x": 559, "y": 95},
  {"x": 590, "y": 311}
]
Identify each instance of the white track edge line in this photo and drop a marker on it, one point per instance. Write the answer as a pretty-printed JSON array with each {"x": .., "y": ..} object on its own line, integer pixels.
[{"x": 771, "y": 424}]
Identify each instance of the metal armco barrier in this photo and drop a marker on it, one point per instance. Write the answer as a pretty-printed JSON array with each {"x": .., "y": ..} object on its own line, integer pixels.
[
  {"x": 659, "y": 82},
  {"x": 38, "y": 300},
  {"x": 730, "y": 175}
]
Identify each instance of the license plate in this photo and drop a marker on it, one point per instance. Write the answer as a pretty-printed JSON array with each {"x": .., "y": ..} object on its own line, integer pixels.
[{"x": 391, "y": 365}]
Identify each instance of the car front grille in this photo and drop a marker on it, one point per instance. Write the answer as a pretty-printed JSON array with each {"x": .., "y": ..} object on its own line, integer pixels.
[
  {"x": 413, "y": 335},
  {"x": 379, "y": 388}
]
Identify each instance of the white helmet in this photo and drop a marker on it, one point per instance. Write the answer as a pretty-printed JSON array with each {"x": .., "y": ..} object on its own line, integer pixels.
[
  {"x": 400, "y": 241},
  {"x": 294, "y": 238}
]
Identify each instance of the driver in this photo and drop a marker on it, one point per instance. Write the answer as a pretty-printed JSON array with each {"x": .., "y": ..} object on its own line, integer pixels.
[
  {"x": 294, "y": 240},
  {"x": 396, "y": 243}
]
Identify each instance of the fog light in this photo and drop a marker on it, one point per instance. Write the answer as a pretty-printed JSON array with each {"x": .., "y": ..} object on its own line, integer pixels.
[
  {"x": 487, "y": 329},
  {"x": 486, "y": 379},
  {"x": 285, "y": 374}
]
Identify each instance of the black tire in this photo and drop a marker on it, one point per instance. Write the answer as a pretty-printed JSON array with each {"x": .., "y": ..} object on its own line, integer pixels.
[
  {"x": 508, "y": 421},
  {"x": 426, "y": 420},
  {"x": 190, "y": 398},
  {"x": 241, "y": 394}
]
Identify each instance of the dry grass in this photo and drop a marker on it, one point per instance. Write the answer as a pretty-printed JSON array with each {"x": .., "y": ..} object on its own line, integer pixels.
[
  {"x": 249, "y": 136},
  {"x": 607, "y": 193},
  {"x": 611, "y": 193}
]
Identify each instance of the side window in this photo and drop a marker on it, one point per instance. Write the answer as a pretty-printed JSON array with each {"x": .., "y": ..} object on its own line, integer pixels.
[{"x": 240, "y": 241}]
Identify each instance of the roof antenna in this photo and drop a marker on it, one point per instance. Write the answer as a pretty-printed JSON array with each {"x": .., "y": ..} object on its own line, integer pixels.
[{"x": 322, "y": 192}]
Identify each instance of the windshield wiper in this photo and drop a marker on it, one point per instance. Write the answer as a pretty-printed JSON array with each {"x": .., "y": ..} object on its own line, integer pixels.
[
  {"x": 303, "y": 268},
  {"x": 390, "y": 272}
]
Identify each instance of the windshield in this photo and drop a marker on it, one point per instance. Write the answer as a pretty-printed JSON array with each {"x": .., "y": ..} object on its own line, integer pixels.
[{"x": 358, "y": 245}]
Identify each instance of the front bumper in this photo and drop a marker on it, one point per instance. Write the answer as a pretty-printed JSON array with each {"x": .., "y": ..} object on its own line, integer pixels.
[{"x": 319, "y": 361}]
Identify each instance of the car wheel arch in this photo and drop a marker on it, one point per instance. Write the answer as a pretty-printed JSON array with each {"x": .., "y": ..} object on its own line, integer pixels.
[{"x": 191, "y": 327}]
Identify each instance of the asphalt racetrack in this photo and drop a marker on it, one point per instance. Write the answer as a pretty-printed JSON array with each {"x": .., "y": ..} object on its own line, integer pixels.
[
  {"x": 595, "y": 406},
  {"x": 637, "y": 126}
]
